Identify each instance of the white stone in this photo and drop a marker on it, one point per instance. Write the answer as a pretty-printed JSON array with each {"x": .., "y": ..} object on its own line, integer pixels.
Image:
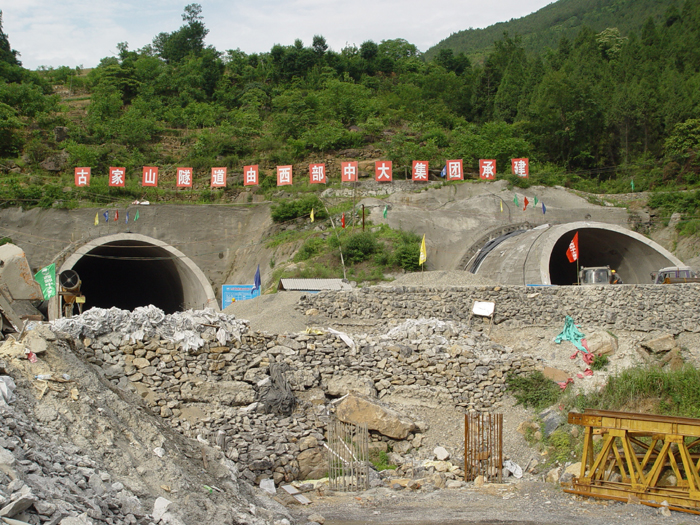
[
  {"x": 441, "y": 454},
  {"x": 160, "y": 507}
]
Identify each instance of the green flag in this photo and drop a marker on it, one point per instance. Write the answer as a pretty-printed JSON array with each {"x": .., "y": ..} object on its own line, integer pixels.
[
  {"x": 515, "y": 200},
  {"x": 46, "y": 277},
  {"x": 536, "y": 201},
  {"x": 385, "y": 209},
  {"x": 136, "y": 217},
  {"x": 632, "y": 184}
]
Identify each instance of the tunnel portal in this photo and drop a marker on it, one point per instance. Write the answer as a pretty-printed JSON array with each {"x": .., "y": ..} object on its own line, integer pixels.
[
  {"x": 127, "y": 274},
  {"x": 538, "y": 256},
  {"x": 131, "y": 270}
]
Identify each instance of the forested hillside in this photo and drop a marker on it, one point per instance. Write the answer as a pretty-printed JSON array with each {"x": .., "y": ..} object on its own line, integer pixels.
[
  {"x": 564, "y": 18},
  {"x": 595, "y": 112}
]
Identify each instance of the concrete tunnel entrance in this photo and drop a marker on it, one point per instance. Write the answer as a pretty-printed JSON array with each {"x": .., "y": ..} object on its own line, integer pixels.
[
  {"x": 538, "y": 256},
  {"x": 131, "y": 270}
]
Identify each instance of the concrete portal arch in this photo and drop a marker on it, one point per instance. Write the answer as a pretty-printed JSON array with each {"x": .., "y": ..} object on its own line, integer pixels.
[
  {"x": 127, "y": 270},
  {"x": 538, "y": 256}
]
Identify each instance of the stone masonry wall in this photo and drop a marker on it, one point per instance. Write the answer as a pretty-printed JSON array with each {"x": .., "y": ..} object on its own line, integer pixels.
[
  {"x": 670, "y": 308},
  {"x": 210, "y": 393}
]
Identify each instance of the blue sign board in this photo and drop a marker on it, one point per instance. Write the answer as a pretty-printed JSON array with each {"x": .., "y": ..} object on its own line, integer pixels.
[{"x": 237, "y": 292}]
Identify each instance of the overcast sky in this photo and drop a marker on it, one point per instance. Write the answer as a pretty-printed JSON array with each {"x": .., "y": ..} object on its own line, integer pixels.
[{"x": 78, "y": 32}]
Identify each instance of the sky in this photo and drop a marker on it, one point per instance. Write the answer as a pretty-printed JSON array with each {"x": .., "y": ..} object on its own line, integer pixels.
[{"x": 79, "y": 33}]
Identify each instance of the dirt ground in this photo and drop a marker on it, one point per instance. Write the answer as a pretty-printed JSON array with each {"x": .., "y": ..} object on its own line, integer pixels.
[{"x": 521, "y": 502}]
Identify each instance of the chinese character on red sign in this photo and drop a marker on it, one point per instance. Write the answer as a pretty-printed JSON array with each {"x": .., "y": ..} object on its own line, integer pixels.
[
  {"x": 349, "y": 170},
  {"x": 420, "y": 170},
  {"x": 382, "y": 171},
  {"x": 82, "y": 176},
  {"x": 116, "y": 176},
  {"x": 487, "y": 169},
  {"x": 250, "y": 175},
  {"x": 455, "y": 170},
  {"x": 520, "y": 167},
  {"x": 284, "y": 175},
  {"x": 317, "y": 173},
  {"x": 218, "y": 177},
  {"x": 184, "y": 177},
  {"x": 150, "y": 176}
]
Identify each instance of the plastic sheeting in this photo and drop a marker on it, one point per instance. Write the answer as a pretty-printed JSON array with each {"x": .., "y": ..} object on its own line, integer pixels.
[{"x": 146, "y": 322}]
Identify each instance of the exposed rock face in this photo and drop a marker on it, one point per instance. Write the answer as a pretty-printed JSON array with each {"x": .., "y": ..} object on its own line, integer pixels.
[
  {"x": 388, "y": 422},
  {"x": 55, "y": 162},
  {"x": 346, "y": 384}
]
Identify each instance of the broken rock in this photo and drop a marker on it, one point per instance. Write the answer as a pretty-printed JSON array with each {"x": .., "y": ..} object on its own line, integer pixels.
[
  {"x": 386, "y": 421},
  {"x": 601, "y": 343},
  {"x": 660, "y": 344}
]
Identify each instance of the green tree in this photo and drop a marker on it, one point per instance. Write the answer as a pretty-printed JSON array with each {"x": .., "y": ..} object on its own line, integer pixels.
[{"x": 189, "y": 39}]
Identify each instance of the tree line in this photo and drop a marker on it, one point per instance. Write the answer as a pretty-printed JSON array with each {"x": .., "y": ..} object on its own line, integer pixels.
[{"x": 596, "y": 109}]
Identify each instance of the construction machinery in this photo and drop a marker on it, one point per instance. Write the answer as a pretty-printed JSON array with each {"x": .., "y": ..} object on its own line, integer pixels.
[
  {"x": 675, "y": 275},
  {"x": 595, "y": 275}
]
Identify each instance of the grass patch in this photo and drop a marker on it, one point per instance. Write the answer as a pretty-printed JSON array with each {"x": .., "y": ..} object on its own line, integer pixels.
[
  {"x": 649, "y": 389},
  {"x": 534, "y": 390},
  {"x": 600, "y": 362},
  {"x": 380, "y": 460}
]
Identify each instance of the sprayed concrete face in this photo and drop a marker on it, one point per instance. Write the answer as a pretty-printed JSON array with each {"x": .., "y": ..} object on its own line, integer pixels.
[
  {"x": 130, "y": 270},
  {"x": 538, "y": 256}
]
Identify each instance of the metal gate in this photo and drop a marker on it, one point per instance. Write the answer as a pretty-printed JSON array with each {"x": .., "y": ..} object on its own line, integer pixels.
[
  {"x": 483, "y": 446},
  {"x": 348, "y": 456}
]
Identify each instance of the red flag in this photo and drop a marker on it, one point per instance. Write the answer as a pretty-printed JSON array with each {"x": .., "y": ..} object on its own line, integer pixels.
[
  {"x": 525, "y": 202},
  {"x": 342, "y": 221},
  {"x": 572, "y": 252},
  {"x": 116, "y": 215}
]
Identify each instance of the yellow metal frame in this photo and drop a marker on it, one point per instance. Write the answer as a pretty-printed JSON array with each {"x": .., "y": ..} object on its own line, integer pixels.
[{"x": 639, "y": 463}]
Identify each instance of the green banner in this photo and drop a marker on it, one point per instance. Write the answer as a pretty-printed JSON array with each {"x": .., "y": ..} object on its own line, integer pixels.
[{"x": 46, "y": 277}]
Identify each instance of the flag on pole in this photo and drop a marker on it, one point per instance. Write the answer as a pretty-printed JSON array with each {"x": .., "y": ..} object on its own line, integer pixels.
[
  {"x": 515, "y": 200},
  {"x": 544, "y": 209},
  {"x": 136, "y": 217},
  {"x": 536, "y": 201},
  {"x": 97, "y": 218},
  {"x": 423, "y": 253},
  {"x": 632, "y": 184},
  {"x": 385, "y": 210},
  {"x": 572, "y": 252},
  {"x": 106, "y": 216},
  {"x": 443, "y": 173},
  {"x": 525, "y": 202},
  {"x": 312, "y": 215},
  {"x": 256, "y": 281},
  {"x": 127, "y": 217},
  {"x": 342, "y": 220},
  {"x": 116, "y": 215},
  {"x": 501, "y": 203}
]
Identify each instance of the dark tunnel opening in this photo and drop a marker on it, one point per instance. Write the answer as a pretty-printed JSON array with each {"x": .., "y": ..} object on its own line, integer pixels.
[
  {"x": 128, "y": 274},
  {"x": 632, "y": 259}
]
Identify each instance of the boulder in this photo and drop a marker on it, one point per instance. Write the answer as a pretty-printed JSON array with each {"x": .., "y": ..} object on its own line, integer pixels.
[
  {"x": 388, "y": 422},
  {"x": 552, "y": 419},
  {"x": 601, "y": 343},
  {"x": 226, "y": 392},
  {"x": 313, "y": 463},
  {"x": 441, "y": 453},
  {"x": 660, "y": 344},
  {"x": 337, "y": 386}
]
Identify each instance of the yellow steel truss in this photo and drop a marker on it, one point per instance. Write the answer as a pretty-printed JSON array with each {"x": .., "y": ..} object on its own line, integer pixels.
[{"x": 637, "y": 450}]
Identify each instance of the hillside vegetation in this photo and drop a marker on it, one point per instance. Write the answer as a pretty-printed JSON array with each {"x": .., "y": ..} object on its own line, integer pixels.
[
  {"x": 544, "y": 29},
  {"x": 595, "y": 113}
]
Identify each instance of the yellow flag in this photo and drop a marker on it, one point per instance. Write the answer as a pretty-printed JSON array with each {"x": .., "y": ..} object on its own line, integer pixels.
[
  {"x": 312, "y": 215},
  {"x": 423, "y": 253},
  {"x": 501, "y": 206},
  {"x": 97, "y": 219}
]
